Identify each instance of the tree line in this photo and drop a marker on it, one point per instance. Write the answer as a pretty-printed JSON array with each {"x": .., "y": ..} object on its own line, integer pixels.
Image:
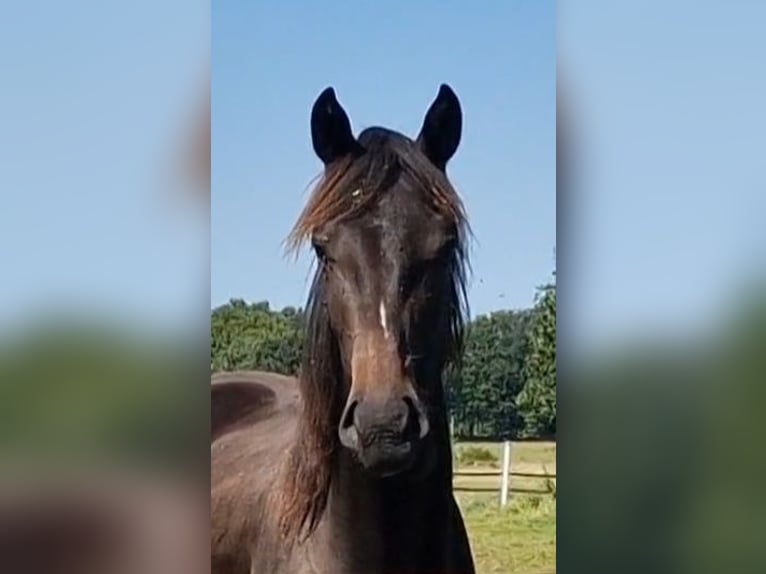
[{"x": 506, "y": 387}]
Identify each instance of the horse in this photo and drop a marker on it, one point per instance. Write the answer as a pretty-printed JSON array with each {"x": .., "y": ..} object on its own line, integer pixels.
[{"x": 347, "y": 468}]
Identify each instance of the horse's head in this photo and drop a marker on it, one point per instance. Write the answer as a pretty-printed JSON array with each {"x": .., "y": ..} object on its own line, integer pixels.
[{"x": 388, "y": 231}]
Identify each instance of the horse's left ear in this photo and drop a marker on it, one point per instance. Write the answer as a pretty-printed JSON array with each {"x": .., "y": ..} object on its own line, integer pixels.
[
  {"x": 331, "y": 129},
  {"x": 442, "y": 128}
]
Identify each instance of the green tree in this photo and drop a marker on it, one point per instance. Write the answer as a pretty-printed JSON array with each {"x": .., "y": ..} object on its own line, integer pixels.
[
  {"x": 537, "y": 400},
  {"x": 251, "y": 336},
  {"x": 482, "y": 396}
]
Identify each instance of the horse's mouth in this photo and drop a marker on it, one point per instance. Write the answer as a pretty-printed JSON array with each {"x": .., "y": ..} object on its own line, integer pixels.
[
  {"x": 386, "y": 458},
  {"x": 386, "y": 461}
]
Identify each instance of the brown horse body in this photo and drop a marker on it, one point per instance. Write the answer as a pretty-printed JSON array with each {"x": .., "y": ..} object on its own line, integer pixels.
[
  {"x": 369, "y": 526},
  {"x": 348, "y": 468}
]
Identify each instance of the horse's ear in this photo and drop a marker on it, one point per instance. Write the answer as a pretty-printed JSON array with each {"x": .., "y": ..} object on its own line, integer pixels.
[
  {"x": 442, "y": 128},
  {"x": 331, "y": 129}
]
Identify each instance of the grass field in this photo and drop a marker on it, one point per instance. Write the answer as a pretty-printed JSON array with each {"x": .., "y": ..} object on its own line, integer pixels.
[{"x": 520, "y": 538}]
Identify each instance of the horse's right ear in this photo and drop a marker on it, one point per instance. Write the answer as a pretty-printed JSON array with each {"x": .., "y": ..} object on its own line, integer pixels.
[
  {"x": 331, "y": 129},
  {"x": 442, "y": 128}
]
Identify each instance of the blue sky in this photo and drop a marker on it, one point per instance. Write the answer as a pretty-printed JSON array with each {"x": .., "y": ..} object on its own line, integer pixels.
[
  {"x": 271, "y": 60},
  {"x": 668, "y": 100},
  {"x": 93, "y": 102},
  {"x": 667, "y": 222}
]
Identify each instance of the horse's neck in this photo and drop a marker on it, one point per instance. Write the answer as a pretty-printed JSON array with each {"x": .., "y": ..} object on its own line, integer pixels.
[
  {"x": 354, "y": 514},
  {"x": 371, "y": 523}
]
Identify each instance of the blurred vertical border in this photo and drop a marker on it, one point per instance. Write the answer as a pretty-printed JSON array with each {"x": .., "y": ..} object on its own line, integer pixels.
[
  {"x": 104, "y": 303},
  {"x": 662, "y": 307}
]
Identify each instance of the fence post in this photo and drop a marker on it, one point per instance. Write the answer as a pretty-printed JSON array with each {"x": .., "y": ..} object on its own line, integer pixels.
[{"x": 504, "y": 486}]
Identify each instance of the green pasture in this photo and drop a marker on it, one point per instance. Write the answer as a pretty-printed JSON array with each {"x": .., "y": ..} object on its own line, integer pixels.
[{"x": 520, "y": 538}]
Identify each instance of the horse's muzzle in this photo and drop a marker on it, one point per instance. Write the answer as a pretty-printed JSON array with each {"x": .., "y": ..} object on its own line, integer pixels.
[{"x": 384, "y": 435}]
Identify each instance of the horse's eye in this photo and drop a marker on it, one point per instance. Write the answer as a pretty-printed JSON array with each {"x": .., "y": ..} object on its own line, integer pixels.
[
  {"x": 447, "y": 248},
  {"x": 320, "y": 248},
  {"x": 411, "y": 277}
]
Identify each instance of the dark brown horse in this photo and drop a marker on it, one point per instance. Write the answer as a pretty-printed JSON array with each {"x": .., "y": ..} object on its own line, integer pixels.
[{"x": 349, "y": 469}]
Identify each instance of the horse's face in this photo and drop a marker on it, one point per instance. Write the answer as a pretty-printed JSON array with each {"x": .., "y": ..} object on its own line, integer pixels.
[{"x": 388, "y": 288}]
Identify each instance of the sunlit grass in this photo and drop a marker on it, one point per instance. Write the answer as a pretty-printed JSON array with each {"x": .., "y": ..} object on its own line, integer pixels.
[{"x": 520, "y": 538}]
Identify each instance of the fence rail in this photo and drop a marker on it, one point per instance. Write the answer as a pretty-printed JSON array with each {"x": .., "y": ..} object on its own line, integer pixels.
[
  {"x": 505, "y": 474},
  {"x": 499, "y": 473}
]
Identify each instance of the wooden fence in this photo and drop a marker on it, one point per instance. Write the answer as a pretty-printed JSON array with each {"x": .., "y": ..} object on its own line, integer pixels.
[{"x": 466, "y": 480}]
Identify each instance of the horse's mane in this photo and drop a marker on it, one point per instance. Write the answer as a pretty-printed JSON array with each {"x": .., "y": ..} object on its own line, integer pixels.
[{"x": 348, "y": 188}]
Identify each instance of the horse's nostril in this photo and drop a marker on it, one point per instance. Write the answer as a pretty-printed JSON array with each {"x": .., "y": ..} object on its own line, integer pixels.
[
  {"x": 417, "y": 422},
  {"x": 349, "y": 437},
  {"x": 347, "y": 421}
]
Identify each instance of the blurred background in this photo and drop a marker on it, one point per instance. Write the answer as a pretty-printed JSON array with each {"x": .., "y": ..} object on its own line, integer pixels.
[
  {"x": 104, "y": 287},
  {"x": 662, "y": 316}
]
